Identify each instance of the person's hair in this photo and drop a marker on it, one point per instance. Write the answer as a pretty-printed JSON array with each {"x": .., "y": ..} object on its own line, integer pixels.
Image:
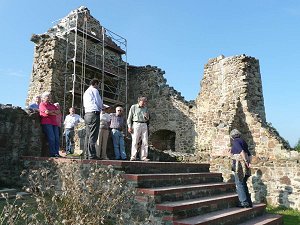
[
  {"x": 235, "y": 133},
  {"x": 36, "y": 96},
  {"x": 94, "y": 81},
  {"x": 119, "y": 108},
  {"x": 142, "y": 98},
  {"x": 45, "y": 94}
]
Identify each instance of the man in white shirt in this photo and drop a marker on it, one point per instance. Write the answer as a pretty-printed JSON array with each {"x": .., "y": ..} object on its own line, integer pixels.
[
  {"x": 93, "y": 105},
  {"x": 70, "y": 123}
]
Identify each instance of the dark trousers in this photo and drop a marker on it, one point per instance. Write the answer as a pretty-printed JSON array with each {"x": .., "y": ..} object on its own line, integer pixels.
[{"x": 92, "y": 123}]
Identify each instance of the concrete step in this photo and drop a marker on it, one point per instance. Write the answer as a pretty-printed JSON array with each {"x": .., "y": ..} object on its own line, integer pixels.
[
  {"x": 171, "y": 179},
  {"x": 140, "y": 167},
  {"x": 9, "y": 191},
  {"x": 12, "y": 193},
  {"x": 230, "y": 216},
  {"x": 182, "y": 192},
  {"x": 134, "y": 167},
  {"x": 198, "y": 206},
  {"x": 266, "y": 219}
]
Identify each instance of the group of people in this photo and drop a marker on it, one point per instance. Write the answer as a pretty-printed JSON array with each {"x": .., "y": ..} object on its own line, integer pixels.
[
  {"x": 98, "y": 123},
  {"x": 51, "y": 121}
]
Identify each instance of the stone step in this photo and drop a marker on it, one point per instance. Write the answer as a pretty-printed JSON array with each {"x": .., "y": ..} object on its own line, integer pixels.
[
  {"x": 198, "y": 206},
  {"x": 182, "y": 192},
  {"x": 266, "y": 219},
  {"x": 12, "y": 193},
  {"x": 228, "y": 216},
  {"x": 171, "y": 179},
  {"x": 140, "y": 167},
  {"x": 9, "y": 191}
]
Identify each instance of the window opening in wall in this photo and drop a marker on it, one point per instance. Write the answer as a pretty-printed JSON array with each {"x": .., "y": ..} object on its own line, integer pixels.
[{"x": 163, "y": 140}]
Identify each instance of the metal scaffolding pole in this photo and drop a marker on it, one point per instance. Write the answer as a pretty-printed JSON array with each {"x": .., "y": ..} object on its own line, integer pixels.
[
  {"x": 111, "y": 71},
  {"x": 74, "y": 60},
  {"x": 103, "y": 61}
]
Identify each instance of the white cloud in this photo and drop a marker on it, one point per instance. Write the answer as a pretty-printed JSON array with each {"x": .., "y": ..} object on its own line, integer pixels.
[{"x": 9, "y": 73}]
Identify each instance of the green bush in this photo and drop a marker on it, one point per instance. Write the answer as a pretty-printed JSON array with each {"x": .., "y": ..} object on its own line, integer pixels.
[{"x": 297, "y": 146}]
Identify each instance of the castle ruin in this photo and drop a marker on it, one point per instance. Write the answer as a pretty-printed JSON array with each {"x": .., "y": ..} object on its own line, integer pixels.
[
  {"x": 72, "y": 52},
  {"x": 79, "y": 48}
]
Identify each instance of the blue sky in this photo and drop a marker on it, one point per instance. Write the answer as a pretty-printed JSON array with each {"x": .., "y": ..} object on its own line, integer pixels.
[{"x": 178, "y": 36}]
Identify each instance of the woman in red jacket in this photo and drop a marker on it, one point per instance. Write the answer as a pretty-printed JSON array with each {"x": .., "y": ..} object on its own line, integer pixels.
[{"x": 48, "y": 113}]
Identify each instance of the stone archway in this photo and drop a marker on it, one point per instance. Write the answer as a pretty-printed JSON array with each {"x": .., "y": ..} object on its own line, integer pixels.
[{"x": 163, "y": 140}]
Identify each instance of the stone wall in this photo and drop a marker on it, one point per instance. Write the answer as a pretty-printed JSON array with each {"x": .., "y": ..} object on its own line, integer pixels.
[
  {"x": 170, "y": 112},
  {"x": 20, "y": 134},
  {"x": 231, "y": 97},
  {"x": 48, "y": 68},
  {"x": 276, "y": 182}
]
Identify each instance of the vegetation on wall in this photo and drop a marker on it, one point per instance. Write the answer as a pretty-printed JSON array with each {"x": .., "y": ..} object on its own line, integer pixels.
[
  {"x": 297, "y": 146},
  {"x": 71, "y": 194}
]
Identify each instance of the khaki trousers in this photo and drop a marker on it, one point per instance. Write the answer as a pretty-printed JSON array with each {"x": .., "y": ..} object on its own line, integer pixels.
[
  {"x": 102, "y": 143},
  {"x": 140, "y": 133}
]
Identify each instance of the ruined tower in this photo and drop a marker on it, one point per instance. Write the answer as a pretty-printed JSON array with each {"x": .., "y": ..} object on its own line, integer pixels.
[
  {"x": 231, "y": 97},
  {"x": 77, "y": 49}
]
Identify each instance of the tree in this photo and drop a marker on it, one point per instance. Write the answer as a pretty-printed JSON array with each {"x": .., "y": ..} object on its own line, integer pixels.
[{"x": 297, "y": 146}]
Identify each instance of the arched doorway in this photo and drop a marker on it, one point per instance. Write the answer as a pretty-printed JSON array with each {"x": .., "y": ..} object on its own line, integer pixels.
[{"x": 163, "y": 140}]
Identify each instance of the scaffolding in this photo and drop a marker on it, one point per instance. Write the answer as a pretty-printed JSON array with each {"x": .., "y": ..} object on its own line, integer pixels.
[{"x": 93, "y": 51}]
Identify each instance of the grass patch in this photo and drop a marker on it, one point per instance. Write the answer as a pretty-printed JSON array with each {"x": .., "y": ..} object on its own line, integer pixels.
[{"x": 290, "y": 216}]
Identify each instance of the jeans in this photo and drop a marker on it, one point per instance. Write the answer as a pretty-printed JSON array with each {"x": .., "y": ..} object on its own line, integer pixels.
[
  {"x": 92, "y": 124},
  {"x": 242, "y": 190},
  {"x": 119, "y": 145},
  {"x": 52, "y": 134},
  {"x": 69, "y": 140}
]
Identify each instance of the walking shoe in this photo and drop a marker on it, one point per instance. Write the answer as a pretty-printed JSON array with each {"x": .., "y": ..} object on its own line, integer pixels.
[
  {"x": 145, "y": 159},
  {"x": 132, "y": 159},
  {"x": 245, "y": 205}
]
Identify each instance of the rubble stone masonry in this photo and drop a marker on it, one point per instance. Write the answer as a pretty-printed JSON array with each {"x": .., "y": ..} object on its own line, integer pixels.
[{"x": 231, "y": 97}]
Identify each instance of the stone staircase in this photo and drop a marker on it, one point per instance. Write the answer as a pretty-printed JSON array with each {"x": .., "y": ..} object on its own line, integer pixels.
[{"x": 186, "y": 193}]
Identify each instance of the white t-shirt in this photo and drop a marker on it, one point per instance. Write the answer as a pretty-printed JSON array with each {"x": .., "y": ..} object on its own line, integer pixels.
[
  {"x": 104, "y": 120},
  {"x": 72, "y": 120}
]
